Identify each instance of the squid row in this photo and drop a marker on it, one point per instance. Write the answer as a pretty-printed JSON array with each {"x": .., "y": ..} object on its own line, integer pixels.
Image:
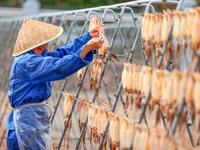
[
  {"x": 186, "y": 33},
  {"x": 168, "y": 91},
  {"x": 122, "y": 129}
]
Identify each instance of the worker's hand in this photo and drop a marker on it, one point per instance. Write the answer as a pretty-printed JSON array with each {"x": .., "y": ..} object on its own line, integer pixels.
[
  {"x": 95, "y": 43},
  {"x": 94, "y": 32}
]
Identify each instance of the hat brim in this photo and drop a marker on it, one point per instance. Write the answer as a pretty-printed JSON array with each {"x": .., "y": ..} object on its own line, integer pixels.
[{"x": 42, "y": 43}]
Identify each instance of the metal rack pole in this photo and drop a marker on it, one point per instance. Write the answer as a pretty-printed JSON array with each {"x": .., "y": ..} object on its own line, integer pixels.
[
  {"x": 58, "y": 101},
  {"x": 198, "y": 143},
  {"x": 189, "y": 133}
]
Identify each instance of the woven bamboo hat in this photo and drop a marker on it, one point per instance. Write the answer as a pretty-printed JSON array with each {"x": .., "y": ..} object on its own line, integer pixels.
[{"x": 33, "y": 34}]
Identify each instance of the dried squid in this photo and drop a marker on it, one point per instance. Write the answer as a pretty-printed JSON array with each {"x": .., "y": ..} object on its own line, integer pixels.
[
  {"x": 114, "y": 131},
  {"x": 67, "y": 108},
  {"x": 82, "y": 112},
  {"x": 124, "y": 77},
  {"x": 176, "y": 34}
]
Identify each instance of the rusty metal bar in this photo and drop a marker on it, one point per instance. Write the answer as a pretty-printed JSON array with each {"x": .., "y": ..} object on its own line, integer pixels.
[
  {"x": 190, "y": 133},
  {"x": 198, "y": 143},
  {"x": 163, "y": 120},
  {"x": 106, "y": 88}
]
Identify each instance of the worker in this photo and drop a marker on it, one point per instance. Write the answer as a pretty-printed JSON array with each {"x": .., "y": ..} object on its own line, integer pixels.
[{"x": 34, "y": 67}]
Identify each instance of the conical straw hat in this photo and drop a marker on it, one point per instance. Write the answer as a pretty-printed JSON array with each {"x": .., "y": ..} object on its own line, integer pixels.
[{"x": 33, "y": 34}]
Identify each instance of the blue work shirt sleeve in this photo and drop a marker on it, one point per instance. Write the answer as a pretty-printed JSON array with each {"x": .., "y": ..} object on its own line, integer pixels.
[
  {"x": 70, "y": 48},
  {"x": 43, "y": 69}
]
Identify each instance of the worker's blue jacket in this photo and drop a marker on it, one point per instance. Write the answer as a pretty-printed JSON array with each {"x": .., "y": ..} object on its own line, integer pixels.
[{"x": 31, "y": 74}]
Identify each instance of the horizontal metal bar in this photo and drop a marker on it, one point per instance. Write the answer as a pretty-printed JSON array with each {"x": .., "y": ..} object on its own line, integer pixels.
[{"x": 71, "y": 12}]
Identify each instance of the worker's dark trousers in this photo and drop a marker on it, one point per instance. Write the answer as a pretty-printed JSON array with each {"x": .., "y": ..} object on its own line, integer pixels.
[{"x": 12, "y": 140}]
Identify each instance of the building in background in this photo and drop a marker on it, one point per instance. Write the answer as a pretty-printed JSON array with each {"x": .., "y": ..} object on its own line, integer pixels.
[{"x": 31, "y": 7}]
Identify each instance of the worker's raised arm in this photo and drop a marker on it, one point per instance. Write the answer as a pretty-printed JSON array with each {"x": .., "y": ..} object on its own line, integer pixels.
[
  {"x": 77, "y": 43},
  {"x": 75, "y": 46},
  {"x": 43, "y": 69}
]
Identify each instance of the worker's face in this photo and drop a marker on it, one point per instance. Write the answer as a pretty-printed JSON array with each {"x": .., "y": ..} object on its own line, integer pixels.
[
  {"x": 41, "y": 48},
  {"x": 46, "y": 46},
  {"x": 38, "y": 50}
]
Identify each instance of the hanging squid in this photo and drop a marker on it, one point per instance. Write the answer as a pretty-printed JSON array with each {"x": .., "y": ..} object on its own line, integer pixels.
[
  {"x": 151, "y": 35},
  {"x": 166, "y": 25},
  {"x": 147, "y": 35},
  {"x": 158, "y": 35},
  {"x": 183, "y": 35},
  {"x": 80, "y": 75},
  {"x": 156, "y": 92},
  {"x": 67, "y": 108},
  {"x": 189, "y": 30},
  {"x": 176, "y": 34},
  {"x": 105, "y": 47},
  {"x": 195, "y": 34},
  {"x": 126, "y": 132},
  {"x": 82, "y": 112},
  {"x": 114, "y": 131},
  {"x": 182, "y": 90},
  {"x": 102, "y": 125},
  {"x": 124, "y": 77},
  {"x": 96, "y": 126},
  {"x": 94, "y": 21},
  {"x": 95, "y": 73},
  {"x": 91, "y": 121},
  {"x": 196, "y": 95}
]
